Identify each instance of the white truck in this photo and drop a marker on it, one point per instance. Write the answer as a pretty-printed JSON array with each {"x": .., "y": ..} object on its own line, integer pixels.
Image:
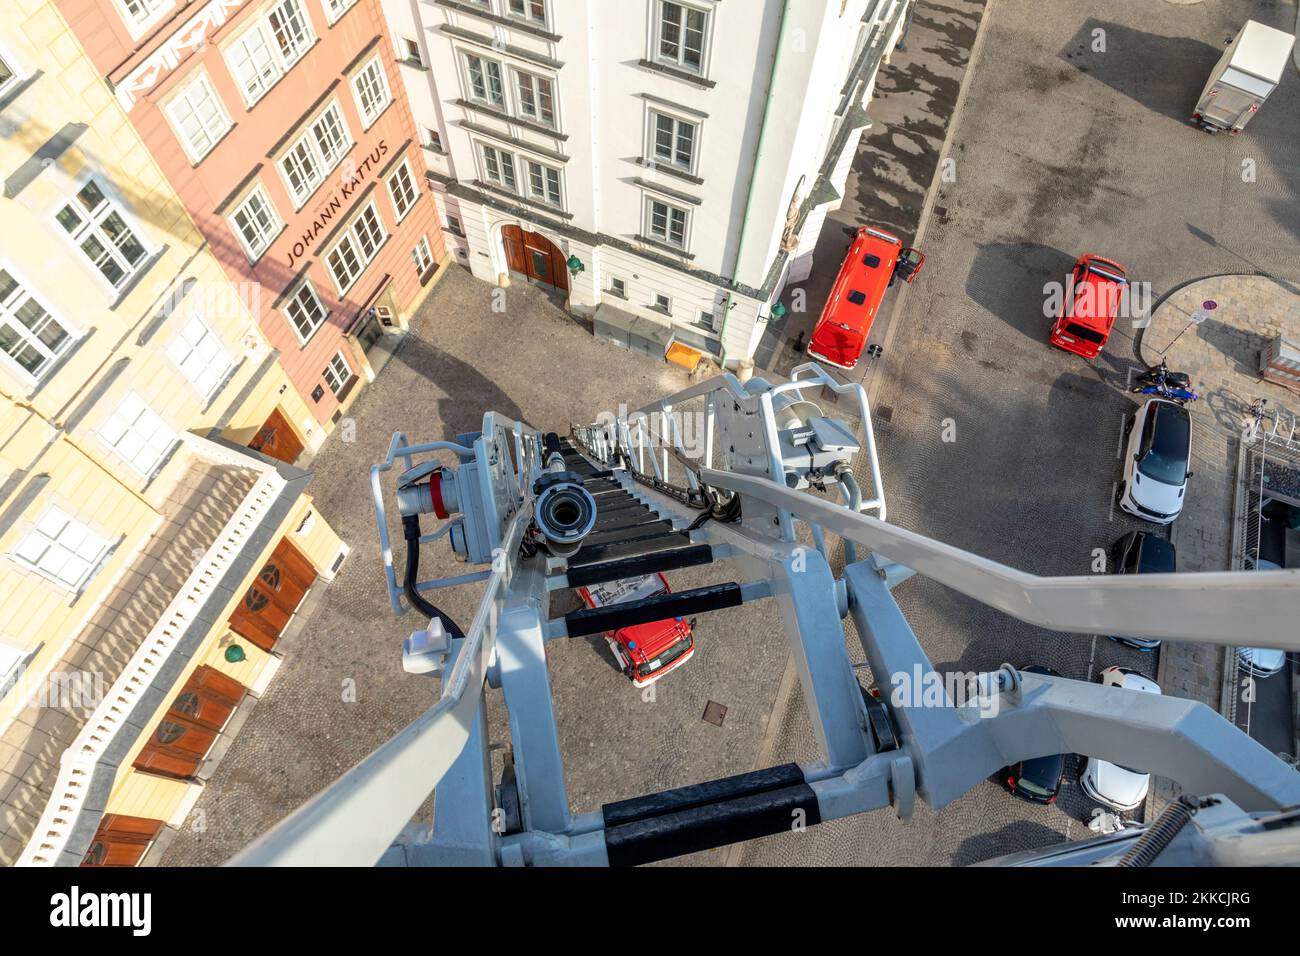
[{"x": 1249, "y": 70}]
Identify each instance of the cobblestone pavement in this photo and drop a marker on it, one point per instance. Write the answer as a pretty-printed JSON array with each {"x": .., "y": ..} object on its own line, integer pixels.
[
  {"x": 461, "y": 359},
  {"x": 1059, "y": 150},
  {"x": 1221, "y": 354}
]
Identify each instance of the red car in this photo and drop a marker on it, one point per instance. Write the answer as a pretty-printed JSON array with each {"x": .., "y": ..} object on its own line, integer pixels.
[
  {"x": 644, "y": 652},
  {"x": 873, "y": 259},
  {"x": 1092, "y": 301}
]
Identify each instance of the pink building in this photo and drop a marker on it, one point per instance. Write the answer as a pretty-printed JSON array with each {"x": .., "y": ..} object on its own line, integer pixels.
[{"x": 283, "y": 126}]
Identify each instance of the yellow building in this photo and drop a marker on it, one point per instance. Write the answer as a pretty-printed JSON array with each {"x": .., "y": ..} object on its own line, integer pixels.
[{"x": 149, "y": 561}]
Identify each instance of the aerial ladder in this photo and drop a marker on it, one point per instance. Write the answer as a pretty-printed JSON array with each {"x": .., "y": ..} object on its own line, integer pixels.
[{"x": 771, "y": 479}]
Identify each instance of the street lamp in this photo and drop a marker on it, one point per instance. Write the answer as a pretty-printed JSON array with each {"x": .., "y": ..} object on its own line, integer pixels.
[
  {"x": 778, "y": 311},
  {"x": 575, "y": 266}
]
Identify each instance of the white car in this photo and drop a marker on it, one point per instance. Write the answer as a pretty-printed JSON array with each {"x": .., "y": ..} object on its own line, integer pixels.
[
  {"x": 1156, "y": 457},
  {"x": 1120, "y": 788},
  {"x": 1262, "y": 661}
]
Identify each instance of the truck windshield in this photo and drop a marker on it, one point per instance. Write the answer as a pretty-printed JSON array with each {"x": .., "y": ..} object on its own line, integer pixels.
[
  {"x": 1085, "y": 333},
  {"x": 666, "y": 658}
]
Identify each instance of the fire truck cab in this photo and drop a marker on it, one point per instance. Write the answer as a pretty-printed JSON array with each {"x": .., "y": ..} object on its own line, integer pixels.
[{"x": 644, "y": 652}]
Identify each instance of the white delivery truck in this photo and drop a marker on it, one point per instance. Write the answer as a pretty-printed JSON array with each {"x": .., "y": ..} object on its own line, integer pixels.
[{"x": 1249, "y": 70}]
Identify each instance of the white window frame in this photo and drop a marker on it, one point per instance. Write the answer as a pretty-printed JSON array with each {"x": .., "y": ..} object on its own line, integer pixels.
[
  {"x": 666, "y": 309},
  {"x": 535, "y": 94},
  {"x": 124, "y": 419},
  {"x": 657, "y": 55},
  {"x": 138, "y": 27},
  {"x": 356, "y": 238},
  {"x": 16, "y": 77},
  {"x": 400, "y": 211},
  {"x": 527, "y": 15},
  {"x": 201, "y": 356},
  {"x": 467, "y": 65},
  {"x": 21, "y": 295},
  {"x": 331, "y": 373},
  {"x": 73, "y": 537},
  {"x": 90, "y": 226},
  {"x": 323, "y": 162},
  {"x": 372, "y": 71},
  {"x": 334, "y": 9},
  {"x": 654, "y": 115},
  {"x": 266, "y": 234},
  {"x": 487, "y": 154},
  {"x": 530, "y": 167},
  {"x": 296, "y": 299},
  {"x": 10, "y": 658},
  {"x": 422, "y": 251},
  {"x": 221, "y": 118},
  {"x": 618, "y": 286},
  {"x": 650, "y": 201},
  {"x": 278, "y": 62}
]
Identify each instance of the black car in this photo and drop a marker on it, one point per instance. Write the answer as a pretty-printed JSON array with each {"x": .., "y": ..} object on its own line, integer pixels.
[
  {"x": 1036, "y": 780},
  {"x": 1141, "y": 552}
]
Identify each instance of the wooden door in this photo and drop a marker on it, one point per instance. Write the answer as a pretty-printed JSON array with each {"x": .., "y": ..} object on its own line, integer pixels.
[
  {"x": 278, "y": 439},
  {"x": 121, "y": 840},
  {"x": 188, "y": 730},
  {"x": 271, "y": 599},
  {"x": 535, "y": 256}
]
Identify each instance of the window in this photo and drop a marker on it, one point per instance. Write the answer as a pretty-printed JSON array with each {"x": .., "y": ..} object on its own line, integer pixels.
[
  {"x": 338, "y": 373},
  {"x": 267, "y": 50},
  {"x": 200, "y": 356},
  {"x": 485, "y": 80},
  {"x": 336, "y": 8},
  {"x": 534, "y": 10},
  {"x": 140, "y": 13},
  {"x": 256, "y": 223},
  {"x": 673, "y": 141},
  {"x": 453, "y": 225},
  {"x": 411, "y": 50},
  {"x": 315, "y": 153},
  {"x": 499, "y": 167},
  {"x": 681, "y": 36},
  {"x": 29, "y": 335},
  {"x": 198, "y": 117},
  {"x": 100, "y": 231},
  {"x": 137, "y": 435},
  {"x": 305, "y": 311},
  {"x": 10, "y": 659},
  {"x": 401, "y": 187},
  {"x": 8, "y": 80},
  {"x": 663, "y": 304},
  {"x": 422, "y": 256},
  {"x": 351, "y": 254},
  {"x": 433, "y": 139},
  {"x": 543, "y": 183},
  {"x": 63, "y": 549},
  {"x": 668, "y": 223},
  {"x": 618, "y": 287},
  {"x": 536, "y": 98},
  {"x": 371, "y": 89}
]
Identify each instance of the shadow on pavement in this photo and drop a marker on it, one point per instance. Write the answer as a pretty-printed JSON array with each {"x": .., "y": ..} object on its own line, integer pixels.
[{"x": 1017, "y": 272}]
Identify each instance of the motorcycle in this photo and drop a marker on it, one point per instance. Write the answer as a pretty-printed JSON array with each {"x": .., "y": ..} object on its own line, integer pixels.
[
  {"x": 1160, "y": 375},
  {"x": 1177, "y": 394}
]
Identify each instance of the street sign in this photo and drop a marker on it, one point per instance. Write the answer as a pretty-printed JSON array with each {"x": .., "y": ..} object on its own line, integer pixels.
[{"x": 1201, "y": 314}]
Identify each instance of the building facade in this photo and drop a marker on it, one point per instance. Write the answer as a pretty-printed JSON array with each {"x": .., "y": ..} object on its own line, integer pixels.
[
  {"x": 149, "y": 561},
  {"x": 283, "y": 126},
  {"x": 666, "y": 164}
]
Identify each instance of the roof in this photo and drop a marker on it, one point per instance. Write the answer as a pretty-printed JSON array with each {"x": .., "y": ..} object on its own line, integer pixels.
[{"x": 1262, "y": 50}]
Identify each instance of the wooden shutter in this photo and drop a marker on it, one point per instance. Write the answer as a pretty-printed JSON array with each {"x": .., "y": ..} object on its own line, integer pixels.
[
  {"x": 269, "y": 602},
  {"x": 121, "y": 840},
  {"x": 186, "y": 733},
  {"x": 278, "y": 439}
]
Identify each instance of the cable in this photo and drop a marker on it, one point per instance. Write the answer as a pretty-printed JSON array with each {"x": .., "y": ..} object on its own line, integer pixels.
[{"x": 411, "y": 531}]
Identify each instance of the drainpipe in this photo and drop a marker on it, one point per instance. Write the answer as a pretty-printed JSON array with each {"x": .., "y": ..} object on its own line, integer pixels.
[{"x": 758, "y": 152}]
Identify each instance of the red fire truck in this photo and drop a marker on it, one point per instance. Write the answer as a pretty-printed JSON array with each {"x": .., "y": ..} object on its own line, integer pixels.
[
  {"x": 644, "y": 652},
  {"x": 875, "y": 257}
]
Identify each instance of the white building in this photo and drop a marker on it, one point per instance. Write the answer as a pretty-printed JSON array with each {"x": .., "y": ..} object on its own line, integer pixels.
[{"x": 667, "y": 163}]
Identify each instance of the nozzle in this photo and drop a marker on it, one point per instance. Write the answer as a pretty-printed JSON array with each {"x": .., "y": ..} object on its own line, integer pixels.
[{"x": 565, "y": 512}]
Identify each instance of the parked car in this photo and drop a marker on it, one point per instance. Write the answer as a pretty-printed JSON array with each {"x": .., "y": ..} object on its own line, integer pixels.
[
  {"x": 1262, "y": 661},
  {"x": 1037, "y": 780},
  {"x": 874, "y": 258},
  {"x": 644, "y": 652},
  {"x": 1120, "y": 788},
  {"x": 1141, "y": 552},
  {"x": 1157, "y": 455},
  {"x": 1090, "y": 307}
]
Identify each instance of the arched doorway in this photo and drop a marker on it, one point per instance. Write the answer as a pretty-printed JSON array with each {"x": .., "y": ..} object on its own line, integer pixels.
[{"x": 533, "y": 255}]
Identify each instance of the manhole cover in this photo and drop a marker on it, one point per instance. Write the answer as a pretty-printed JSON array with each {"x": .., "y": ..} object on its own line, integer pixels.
[
  {"x": 714, "y": 713},
  {"x": 885, "y": 413}
]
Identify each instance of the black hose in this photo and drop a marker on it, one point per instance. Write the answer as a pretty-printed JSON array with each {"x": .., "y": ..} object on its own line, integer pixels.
[{"x": 411, "y": 531}]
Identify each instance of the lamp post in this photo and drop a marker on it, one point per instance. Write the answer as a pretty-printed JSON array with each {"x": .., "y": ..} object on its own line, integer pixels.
[{"x": 575, "y": 266}]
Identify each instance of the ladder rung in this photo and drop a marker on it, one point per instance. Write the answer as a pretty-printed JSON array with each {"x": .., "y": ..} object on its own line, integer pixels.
[
  {"x": 636, "y": 533},
  {"x": 596, "y": 620},
  {"x": 623, "y": 518},
  {"x": 639, "y": 564},
  {"x": 607, "y": 506},
  {"x": 626, "y": 549}
]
